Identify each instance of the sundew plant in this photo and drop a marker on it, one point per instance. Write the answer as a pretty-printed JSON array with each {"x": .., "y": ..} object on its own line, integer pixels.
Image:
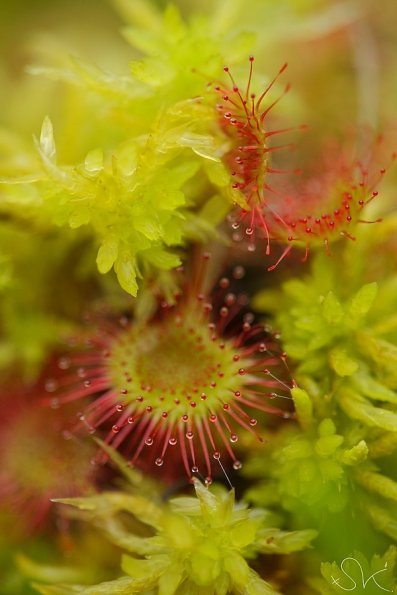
[{"x": 198, "y": 297}]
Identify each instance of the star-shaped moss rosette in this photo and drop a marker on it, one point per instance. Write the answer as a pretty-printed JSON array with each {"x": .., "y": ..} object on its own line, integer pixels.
[
  {"x": 193, "y": 545},
  {"x": 178, "y": 388},
  {"x": 308, "y": 471},
  {"x": 341, "y": 339},
  {"x": 132, "y": 200}
]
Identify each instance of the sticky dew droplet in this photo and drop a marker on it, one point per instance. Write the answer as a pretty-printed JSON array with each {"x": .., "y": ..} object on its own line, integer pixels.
[{"x": 50, "y": 385}]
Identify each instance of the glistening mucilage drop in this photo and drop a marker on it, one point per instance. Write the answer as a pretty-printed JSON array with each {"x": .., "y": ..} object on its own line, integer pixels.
[{"x": 190, "y": 378}]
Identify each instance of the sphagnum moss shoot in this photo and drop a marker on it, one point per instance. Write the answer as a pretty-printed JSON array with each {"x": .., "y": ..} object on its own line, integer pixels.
[{"x": 192, "y": 377}]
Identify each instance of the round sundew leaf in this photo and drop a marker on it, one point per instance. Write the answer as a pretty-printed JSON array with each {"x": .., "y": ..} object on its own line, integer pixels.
[{"x": 180, "y": 383}]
